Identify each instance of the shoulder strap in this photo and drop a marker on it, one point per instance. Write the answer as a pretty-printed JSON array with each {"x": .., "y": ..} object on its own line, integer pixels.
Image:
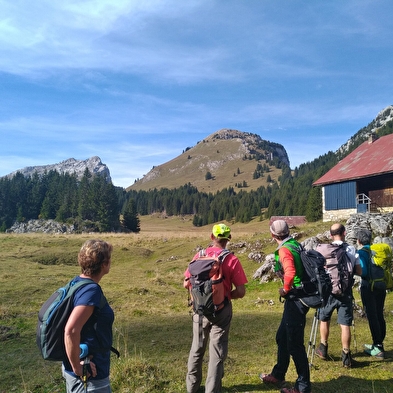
[
  {"x": 202, "y": 253},
  {"x": 291, "y": 247},
  {"x": 369, "y": 262},
  {"x": 73, "y": 285},
  {"x": 341, "y": 250},
  {"x": 223, "y": 254}
]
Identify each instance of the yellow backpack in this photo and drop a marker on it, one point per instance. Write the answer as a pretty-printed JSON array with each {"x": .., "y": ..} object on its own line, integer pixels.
[{"x": 382, "y": 256}]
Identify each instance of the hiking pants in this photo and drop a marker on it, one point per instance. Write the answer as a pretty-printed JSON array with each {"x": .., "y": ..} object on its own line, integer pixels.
[
  {"x": 75, "y": 385},
  {"x": 217, "y": 332},
  {"x": 290, "y": 342},
  {"x": 373, "y": 303}
]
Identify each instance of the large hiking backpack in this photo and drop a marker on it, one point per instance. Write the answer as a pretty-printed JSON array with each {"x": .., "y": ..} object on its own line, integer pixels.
[
  {"x": 53, "y": 317},
  {"x": 339, "y": 267},
  {"x": 207, "y": 283},
  {"x": 382, "y": 256},
  {"x": 316, "y": 284},
  {"x": 376, "y": 273}
]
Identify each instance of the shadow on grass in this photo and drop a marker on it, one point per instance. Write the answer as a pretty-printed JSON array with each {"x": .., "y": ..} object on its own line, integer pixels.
[
  {"x": 344, "y": 383},
  {"x": 349, "y": 384}
]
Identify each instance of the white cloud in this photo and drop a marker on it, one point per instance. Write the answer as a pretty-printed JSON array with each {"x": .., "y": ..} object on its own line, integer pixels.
[{"x": 112, "y": 78}]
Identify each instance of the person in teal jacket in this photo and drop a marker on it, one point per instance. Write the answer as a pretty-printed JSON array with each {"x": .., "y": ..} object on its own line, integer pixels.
[{"x": 373, "y": 299}]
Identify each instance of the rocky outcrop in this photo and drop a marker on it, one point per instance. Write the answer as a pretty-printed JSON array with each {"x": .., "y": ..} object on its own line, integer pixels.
[
  {"x": 383, "y": 117},
  {"x": 53, "y": 227},
  {"x": 380, "y": 224},
  {"x": 41, "y": 226},
  {"x": 70, "y": 166},
  {"x": 252, "y": 143}
]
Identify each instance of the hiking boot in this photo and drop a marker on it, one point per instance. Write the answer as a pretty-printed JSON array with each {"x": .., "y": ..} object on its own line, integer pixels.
[
  {"x": 347, "y": 359},
  {"x": 376, "y": 351},
  {"x": 270, "y": 379},
  {"x": 321, "y": 351}
]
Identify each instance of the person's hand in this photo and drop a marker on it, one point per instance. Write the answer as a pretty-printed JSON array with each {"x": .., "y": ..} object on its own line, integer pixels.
[
  {"x": 280, "y": 274},
  {"x": 91, "y": 369},
  {"x": 186, "y": 283},
  {"x": 282, "y": 292}
]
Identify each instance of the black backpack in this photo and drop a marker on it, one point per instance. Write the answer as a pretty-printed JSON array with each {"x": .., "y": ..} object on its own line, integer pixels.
[
  {"x": 53, "y": 317},
  {"x": 316, "y": 283},
  {"x": 339, "y": 267}
]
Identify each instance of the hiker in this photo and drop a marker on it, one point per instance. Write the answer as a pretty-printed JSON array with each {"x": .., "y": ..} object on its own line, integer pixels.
[
  {"x": 217, "y": 327},
  {"x": 342, "y": 302},
  {"x": 373, "y": 299},
  {"x": 290, "y": 333},
  {"x": 85, "y": 326}
]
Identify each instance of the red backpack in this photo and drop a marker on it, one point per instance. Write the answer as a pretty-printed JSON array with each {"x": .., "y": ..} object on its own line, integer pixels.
[{"x": 207, "y": 293}]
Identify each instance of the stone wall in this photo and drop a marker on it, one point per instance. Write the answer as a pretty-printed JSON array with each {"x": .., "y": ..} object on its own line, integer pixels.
[{"x": 337, "y": 215}]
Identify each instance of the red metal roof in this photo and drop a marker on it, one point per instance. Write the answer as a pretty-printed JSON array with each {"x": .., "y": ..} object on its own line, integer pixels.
[
  {"x": 369, "y": 159},
  {"x": 290, "y": 220}
]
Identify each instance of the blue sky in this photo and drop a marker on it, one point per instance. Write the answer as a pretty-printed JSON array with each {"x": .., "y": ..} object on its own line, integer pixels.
[{"x": 135, "y": 82}]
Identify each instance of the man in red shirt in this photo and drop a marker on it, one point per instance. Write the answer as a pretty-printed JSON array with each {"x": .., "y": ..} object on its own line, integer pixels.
[{"x": 217, "y": 327}]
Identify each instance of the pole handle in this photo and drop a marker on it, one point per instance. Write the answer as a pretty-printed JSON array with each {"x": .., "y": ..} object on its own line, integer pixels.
[{"x": 84, "y": 351}]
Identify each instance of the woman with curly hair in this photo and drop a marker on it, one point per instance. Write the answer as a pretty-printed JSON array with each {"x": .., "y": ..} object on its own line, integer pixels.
[{"x": 90, "y": 323}]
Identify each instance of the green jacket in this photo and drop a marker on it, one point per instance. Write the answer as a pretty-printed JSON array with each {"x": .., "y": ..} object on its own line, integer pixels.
[{"x": 290, "y": 244}]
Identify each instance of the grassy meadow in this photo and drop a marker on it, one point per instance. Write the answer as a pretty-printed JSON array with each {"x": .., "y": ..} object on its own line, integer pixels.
[{"x": 152, "y": 328}]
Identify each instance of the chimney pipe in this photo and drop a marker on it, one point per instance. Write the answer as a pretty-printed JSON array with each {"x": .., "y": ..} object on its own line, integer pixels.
[{"x": 372, "y": 138}]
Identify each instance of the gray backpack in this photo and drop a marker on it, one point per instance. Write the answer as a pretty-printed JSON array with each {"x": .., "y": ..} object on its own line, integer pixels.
[{"x": 339, "y": 267}]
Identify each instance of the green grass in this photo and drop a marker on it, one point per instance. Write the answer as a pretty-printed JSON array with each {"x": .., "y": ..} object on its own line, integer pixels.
[{"x": 152, "y": 328}]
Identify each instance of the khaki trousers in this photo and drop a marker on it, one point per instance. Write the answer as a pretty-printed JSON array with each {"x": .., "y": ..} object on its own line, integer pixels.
[{"x": 216, "y": 331}]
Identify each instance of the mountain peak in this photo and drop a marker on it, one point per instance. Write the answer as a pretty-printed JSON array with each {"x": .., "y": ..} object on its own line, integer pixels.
[
  {"x": 70, "y": 166},
  {"x": 231, "y": 157}
]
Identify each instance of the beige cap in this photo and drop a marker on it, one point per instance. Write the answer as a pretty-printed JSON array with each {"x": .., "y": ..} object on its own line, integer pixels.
[{"x": 279, "y": 228}]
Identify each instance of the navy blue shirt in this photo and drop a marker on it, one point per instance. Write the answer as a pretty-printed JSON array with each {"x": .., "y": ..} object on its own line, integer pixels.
[{"x": 97, "y": 332}]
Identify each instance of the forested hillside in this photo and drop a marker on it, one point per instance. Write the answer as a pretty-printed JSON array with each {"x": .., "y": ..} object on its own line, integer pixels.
[
  {"x": 95, "y": 204},
  {"x": 61, "y": 197}
]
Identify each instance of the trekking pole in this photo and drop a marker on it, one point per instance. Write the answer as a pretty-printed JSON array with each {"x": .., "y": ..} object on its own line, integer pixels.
[
  {"x": 313, "y": 338},
  {"x": 354, "y": 336},
  {"x": 353, "y": 325},
  {"x": 86, "y": 360},
  {"x": 310, "y": 339}
]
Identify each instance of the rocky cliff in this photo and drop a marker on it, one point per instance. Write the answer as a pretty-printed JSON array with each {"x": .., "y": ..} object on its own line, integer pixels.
[
  {"x": 71, "y": 166},
  {"x": 383, "y": 117}
]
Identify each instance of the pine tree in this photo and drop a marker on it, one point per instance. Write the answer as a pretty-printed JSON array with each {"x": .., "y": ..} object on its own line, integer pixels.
[
  {"x": 314, "y": 205},
  {"x": 130, "y": 217}
]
